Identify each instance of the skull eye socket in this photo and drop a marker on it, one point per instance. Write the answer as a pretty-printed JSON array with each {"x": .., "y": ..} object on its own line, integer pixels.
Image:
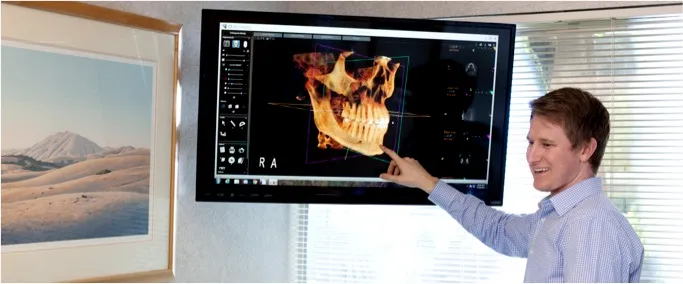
[{"x": 379, "y": 80}]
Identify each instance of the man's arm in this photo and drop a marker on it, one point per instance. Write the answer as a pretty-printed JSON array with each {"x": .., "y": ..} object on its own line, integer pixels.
[
  {"x": 595, "y": 249},
  {"x": 505, "y": 233}
]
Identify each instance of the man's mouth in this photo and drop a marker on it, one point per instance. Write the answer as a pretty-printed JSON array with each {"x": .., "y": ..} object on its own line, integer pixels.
[{"x": 540, "y": 170}]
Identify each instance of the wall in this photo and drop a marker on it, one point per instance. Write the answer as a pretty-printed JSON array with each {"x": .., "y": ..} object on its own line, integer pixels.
[
  {"x": 438, "y": 9},
  {"x": 250, "y": 243},
  {"x": 215, "y": 242}
]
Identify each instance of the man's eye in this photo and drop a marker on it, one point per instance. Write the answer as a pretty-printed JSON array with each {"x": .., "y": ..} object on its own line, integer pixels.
[{"x": 546, "y": 145}]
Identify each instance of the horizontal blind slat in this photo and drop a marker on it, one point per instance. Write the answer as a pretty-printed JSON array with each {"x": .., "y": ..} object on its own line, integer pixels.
[
  {"x": 553, "y": 28},
  {"x": 645, "y": 62},
  {"x": 635, "y": 37},
  {"x": 521, "y": 46},
  {"x": 517, "y": 75}
]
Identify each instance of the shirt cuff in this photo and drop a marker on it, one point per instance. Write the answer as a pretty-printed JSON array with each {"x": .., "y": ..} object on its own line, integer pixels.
[{"x": 445, "y": 195}]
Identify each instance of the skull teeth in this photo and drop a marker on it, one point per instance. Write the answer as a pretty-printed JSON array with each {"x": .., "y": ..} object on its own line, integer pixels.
[
  {"x": 365, "y": 123},
  {"x": 363, "y": 115}
]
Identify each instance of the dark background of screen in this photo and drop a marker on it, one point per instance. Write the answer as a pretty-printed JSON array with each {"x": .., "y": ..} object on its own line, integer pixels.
[
  {"x": 209, "y": 189},
  {"x": 283, "y": 132}
]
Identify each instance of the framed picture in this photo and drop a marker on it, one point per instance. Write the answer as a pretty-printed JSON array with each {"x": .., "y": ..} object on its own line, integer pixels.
[{"x": 88, "y": 143}]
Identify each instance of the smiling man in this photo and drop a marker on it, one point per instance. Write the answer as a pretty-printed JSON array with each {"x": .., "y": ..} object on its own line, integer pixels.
[{"x": 577, "y": 234}]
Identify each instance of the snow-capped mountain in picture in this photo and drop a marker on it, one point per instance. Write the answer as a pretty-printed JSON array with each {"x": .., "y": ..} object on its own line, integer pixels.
[
  {"x": 60, "y": 145},
  {"x": 67, "y": 147}
]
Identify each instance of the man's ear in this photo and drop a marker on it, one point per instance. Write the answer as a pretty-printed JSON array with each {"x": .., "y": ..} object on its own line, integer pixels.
[{"x": 588, "y": 149}]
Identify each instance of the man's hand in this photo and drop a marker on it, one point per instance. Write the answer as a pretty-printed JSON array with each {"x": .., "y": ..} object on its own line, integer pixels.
[{"x": 407, "y": 172}]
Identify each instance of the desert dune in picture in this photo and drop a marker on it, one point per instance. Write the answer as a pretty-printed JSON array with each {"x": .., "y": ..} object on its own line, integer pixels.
[{"x": 75, "y": 145}]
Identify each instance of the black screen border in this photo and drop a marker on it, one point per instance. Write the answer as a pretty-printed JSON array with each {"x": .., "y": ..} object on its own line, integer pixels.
[{"x": 206, "y": 189}]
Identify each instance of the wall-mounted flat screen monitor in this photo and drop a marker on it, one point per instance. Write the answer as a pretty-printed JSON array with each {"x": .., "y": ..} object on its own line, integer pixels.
[{"x": 293, "y": 107}]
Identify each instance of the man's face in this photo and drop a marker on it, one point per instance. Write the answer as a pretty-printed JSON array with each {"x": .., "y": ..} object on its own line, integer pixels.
[{"x": 554, "y": 164}]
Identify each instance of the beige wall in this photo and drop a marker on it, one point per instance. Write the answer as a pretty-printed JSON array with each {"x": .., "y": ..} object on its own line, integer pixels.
[{"x": 436, "y": 9}]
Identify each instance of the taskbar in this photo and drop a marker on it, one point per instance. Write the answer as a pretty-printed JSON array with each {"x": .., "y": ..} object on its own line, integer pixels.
[
  {"x": 270, "y": 189},
  {"x": 271, "y": 180}
]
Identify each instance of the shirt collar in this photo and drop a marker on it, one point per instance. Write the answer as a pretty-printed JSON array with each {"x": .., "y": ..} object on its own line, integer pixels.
[{"x": 570, "y": 197}]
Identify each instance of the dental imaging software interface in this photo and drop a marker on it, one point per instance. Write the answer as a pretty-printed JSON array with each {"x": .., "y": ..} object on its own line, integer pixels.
[{"x": 310, "y": 105}]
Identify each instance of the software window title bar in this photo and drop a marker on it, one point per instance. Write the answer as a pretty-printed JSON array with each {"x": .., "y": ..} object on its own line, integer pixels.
[{"x": 358, "y": 32}]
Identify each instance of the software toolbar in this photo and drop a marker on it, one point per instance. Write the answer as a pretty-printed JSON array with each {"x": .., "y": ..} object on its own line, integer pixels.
[{"x": 233, "y": 113}]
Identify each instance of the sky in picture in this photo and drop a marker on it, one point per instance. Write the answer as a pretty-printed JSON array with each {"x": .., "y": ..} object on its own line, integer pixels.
[{"x": 106, "y": 101}]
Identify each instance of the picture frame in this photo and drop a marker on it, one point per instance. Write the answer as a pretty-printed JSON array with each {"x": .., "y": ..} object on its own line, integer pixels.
[{"x": 89, "y": 143}]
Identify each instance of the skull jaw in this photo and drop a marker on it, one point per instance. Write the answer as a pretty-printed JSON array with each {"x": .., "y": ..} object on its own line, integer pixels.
[
  {"x": 326, "y": 142},
  {"x": 357, "y": 136}
]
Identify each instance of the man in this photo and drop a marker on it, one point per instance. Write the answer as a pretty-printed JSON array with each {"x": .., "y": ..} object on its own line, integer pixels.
[{"x": 577, "y": 234}]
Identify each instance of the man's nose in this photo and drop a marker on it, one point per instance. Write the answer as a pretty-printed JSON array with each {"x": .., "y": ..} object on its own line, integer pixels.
[{"x": 533, "y": 154}]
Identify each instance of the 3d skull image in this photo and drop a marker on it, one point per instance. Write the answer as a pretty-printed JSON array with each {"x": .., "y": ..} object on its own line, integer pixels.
[{"x": 349, "y": 107}]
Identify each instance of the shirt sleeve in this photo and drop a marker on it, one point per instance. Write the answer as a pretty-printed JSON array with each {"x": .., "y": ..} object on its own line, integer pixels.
[
  {"x": 594, "y": 249},
  {"x": 505, "y": 233}
]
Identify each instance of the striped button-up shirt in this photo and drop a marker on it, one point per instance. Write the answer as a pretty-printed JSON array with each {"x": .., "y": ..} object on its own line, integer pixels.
[{"x": 577, "y": 235}]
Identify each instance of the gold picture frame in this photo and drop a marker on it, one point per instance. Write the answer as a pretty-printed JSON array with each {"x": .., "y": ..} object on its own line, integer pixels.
[{"x": 91, "y": 58}]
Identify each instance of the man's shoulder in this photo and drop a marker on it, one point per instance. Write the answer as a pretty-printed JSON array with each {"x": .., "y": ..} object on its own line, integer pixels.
[
  {"x": 598, "y": 211},
  {"x": 597, "y": 208}
]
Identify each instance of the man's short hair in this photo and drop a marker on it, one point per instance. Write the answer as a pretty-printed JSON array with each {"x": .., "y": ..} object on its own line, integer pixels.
[{"x": 581, "y": 115}]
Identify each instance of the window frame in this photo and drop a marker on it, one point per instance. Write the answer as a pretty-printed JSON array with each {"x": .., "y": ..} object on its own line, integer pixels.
[{"x": 549, "y": 17}]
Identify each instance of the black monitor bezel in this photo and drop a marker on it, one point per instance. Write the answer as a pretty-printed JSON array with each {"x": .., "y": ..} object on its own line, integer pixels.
[{"x": 207, "y": 190}]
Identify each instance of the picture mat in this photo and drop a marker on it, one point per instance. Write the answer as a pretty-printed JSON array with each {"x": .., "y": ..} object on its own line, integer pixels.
[{"x": 46, "y": 28}]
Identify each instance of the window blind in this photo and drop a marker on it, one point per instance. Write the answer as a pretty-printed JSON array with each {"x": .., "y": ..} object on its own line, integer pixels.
[{"x": 634, "y": 65}]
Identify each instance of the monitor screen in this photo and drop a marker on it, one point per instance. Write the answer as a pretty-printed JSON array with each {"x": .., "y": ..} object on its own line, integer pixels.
[{"x": 293, "y": 107}]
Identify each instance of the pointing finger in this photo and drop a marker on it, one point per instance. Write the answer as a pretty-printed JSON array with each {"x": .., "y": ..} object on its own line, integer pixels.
[{"x": 390, "y": 153}]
